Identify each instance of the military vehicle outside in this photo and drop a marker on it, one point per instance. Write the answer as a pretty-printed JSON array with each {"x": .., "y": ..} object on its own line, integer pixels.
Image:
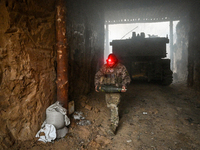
[{"x": 144, "y": 58}]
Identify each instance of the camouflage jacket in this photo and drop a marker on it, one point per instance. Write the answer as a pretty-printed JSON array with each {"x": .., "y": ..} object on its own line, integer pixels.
[{"x": 118, "y": 76}]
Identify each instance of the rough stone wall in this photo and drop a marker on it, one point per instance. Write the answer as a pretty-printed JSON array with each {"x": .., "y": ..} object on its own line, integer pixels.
[
  {"x": 27, "y": 60},
  {"x": 27, "y": 70},
  {"x": 180, "y": 71},
  {"x": 85, "y": 31},
  {"x": 194, "y": 47}
]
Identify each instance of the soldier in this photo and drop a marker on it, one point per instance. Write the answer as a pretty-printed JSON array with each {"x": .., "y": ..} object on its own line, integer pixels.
[{"x": 112, "y": 73}]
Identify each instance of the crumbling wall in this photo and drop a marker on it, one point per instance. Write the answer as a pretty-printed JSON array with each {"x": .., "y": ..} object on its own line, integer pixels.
[
  {"x": 27, "y": 70},
  {"x": 28, "y": 61},
  {"x": 194, "y": 47},
  {"x": 85, "y": 32},
  {"x": 180, "y": 70}
]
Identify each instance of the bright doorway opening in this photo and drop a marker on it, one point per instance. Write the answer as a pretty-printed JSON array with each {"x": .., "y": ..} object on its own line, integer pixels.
[{"x": 124, "y": 31}]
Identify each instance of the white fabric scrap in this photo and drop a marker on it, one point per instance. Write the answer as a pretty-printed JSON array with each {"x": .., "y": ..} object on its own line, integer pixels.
[
  {"x": 78, "y": 115},
  {"x": 49, "y": 131}
]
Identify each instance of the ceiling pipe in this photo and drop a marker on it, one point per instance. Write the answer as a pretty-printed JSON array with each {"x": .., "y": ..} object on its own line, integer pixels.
[{"x": 62, "y": 54}]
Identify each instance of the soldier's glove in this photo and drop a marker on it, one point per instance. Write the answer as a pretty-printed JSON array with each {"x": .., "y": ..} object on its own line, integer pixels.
[
  {"x": 123, "y": 89},
  {"x": 96, "y": 89}
]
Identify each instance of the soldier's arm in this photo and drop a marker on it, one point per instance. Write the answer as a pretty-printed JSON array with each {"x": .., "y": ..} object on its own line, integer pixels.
[
  {"x": 125, "y": 77},
  {"x": 97, "y": 78},
  {"x": 98, "y": 75}
]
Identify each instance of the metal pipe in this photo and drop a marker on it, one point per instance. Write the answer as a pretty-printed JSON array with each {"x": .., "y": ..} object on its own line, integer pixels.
[{"x": 62, "y": 54}]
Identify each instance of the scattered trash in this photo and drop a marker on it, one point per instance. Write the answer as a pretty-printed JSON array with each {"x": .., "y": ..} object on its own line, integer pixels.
[
  {"x": 78, "y": 115},
  {"x": 81, "y": 120},
  {"x": 55, "y": 124},
  {"x": 128, "y": 141},
  {"x": 144, "y": 113},
  {"x": 84, "y": 122}
]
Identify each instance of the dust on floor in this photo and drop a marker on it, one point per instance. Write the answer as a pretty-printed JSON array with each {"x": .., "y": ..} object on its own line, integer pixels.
[{"x": 152, "y": 117}]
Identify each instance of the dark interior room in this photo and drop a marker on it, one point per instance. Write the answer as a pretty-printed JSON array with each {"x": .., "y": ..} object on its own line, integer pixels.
[{"x": 50, "y": 50}]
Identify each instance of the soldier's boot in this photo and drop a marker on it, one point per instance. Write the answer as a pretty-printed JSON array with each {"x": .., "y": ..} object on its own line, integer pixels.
[
  {"x": 114, "y": 119},
  {"x": 113, "y": 128},
  {"x": 112, "y": 101},
  {"x": 110, "y": 132}
]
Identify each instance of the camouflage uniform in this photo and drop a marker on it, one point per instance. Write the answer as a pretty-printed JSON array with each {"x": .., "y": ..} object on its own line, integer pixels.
[
  {"x": 112, "y": 100},
  {"x": 117, "y": 76}
]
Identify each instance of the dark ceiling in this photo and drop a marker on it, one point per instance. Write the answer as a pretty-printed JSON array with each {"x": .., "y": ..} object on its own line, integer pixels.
[{"x": 127, "y": 11}]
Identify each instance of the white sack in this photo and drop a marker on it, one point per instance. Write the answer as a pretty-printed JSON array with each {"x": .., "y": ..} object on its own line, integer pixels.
[
  {"x": 61, "y": 132},
  {"x": 55, "y": 124},
  {"x": 57, "y": 116}
]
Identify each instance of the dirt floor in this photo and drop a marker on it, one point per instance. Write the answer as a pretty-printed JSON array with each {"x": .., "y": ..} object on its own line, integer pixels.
[{"x": 152, "y": 117}]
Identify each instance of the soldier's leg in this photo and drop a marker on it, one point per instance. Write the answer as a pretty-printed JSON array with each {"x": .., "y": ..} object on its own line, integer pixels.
[
  {"x": 114, "y": 118},
  {"x": 112, "y": 101},
  {"x": 108, "y": 102}
]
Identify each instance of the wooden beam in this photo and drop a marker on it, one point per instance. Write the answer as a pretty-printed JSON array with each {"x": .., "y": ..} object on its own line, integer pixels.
[
  {"x": 62, "y": 54},
  {"x": 171, "y": 43}
]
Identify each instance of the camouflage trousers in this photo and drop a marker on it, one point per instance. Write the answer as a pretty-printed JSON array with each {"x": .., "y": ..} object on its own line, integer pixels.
[{"x": 112, "y": 100}]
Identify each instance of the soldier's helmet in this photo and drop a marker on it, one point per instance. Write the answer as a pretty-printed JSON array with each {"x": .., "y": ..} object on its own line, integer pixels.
[{"x": 112, "y": 60}]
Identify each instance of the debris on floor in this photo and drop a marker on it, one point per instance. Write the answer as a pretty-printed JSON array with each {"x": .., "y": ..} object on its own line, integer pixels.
[
  {"x": 170, "y": 123},
  {"x": 78, "y": 116}
]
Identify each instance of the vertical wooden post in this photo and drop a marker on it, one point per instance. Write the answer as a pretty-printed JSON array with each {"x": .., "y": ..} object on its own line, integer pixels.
[
  {"x": 171, "y": 44},
  {"x": 62, "y": 54},
  {"x": 106, "y": 51}
]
